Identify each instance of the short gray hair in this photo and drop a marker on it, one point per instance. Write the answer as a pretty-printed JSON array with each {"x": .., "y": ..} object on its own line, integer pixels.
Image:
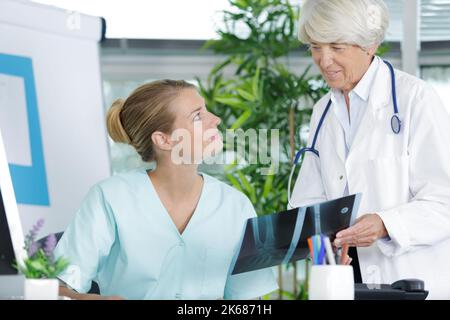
[{"x": 359, "y": 22}]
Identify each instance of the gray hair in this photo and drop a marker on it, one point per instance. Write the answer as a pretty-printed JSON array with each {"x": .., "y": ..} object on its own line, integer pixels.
[{"x": 359, "y": 22}]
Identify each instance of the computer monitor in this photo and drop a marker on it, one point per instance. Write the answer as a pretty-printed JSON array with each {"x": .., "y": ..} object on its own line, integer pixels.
[{"x": 11, "y": 235}]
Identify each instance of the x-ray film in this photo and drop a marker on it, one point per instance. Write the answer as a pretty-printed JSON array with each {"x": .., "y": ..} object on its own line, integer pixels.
[{"x": 281, "y": 238}]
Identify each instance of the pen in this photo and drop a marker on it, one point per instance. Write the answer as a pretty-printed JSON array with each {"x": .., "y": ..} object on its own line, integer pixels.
[
  {"x": 320, "y": 239},
  {"x": 329, "y": 250},
  {"x": 316, "y": 246},
  {"x": 311, "y": 249}
]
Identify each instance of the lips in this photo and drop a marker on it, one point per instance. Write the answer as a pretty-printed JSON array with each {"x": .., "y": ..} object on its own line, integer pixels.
[
  {"x": 332, "y": 74},
  {"x": 215, "y": 137}
]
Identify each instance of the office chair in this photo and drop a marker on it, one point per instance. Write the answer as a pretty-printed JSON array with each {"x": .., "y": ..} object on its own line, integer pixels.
[{"x": 94, "y": 286}]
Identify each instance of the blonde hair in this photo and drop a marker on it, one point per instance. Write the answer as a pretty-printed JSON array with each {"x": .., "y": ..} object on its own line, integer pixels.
[
  {"x": 146, "y": 110},
  {"x": 359, "y": 22}
]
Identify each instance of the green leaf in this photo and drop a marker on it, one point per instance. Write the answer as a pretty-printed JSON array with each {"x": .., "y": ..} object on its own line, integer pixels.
[
  {"x": 247, "y": 186},
  {"x": 234, "y": 182},
  {"x": 37, "y": 265},
  {"x": 269, "y": 181},
  {"x": 246, "y": 95},
  {"x": 220, "y": 66},
  {"x": 233, "y": 102},
  {"x": 241, "y": 120},
  {"x": 255, "y": 83}
]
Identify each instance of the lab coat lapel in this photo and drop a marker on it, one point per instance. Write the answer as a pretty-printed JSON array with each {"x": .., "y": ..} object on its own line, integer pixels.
[
  {"x": 332, "y": 155},
  {"x": 379, "y": 98},
  {"x": 336, "y": 135}
]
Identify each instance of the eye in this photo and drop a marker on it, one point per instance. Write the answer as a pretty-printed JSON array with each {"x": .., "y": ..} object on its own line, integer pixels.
[
  {"x": 197, "y": 117},
  {"x": 339, "y": 49}
]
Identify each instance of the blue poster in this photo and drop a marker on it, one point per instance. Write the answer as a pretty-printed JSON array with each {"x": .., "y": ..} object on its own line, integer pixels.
[{"x": 30, "y": 182}]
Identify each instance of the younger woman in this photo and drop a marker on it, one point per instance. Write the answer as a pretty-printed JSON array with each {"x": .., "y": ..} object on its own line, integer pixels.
[{"x": 170, "y": 233}]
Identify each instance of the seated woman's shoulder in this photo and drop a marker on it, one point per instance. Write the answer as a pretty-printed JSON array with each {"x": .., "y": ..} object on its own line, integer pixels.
[
  {"x": 226, "y": 191},
  {"x": 127, "y": 180}
]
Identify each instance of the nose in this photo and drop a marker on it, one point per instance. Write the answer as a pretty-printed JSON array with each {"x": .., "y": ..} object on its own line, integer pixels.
[
  {"x": 325, "y": 59},
  {"x": 215, "y": 120}
]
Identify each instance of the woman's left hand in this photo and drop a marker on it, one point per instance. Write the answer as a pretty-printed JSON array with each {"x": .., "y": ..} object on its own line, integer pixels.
[{"x": 366, "y": 230}]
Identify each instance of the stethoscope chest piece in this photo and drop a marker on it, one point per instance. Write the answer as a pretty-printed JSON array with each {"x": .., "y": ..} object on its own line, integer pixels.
[{"x": 396, "y": 124}]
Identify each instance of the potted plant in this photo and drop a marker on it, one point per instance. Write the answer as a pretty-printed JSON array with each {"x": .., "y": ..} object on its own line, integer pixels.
[
  {"x": 40, "y": 266},
  {"x": 261, "y": 90},
  {"x": 255, "y": 86}
]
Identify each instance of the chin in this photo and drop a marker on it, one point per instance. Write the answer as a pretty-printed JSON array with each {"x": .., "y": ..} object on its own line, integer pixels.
[
  {"x": 212, "y": 149},
  {"x": 336, "y": 85}
]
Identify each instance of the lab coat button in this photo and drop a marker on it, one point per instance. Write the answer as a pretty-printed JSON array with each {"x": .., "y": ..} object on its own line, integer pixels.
[
  {"x": 341, "y": 177},
  {"x": 181, "y": 244}
]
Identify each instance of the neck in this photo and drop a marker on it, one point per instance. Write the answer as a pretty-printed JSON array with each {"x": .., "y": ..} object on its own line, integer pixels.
[
  {"x": 179, "y": 180},
  {"x": 353, "y": 84}
]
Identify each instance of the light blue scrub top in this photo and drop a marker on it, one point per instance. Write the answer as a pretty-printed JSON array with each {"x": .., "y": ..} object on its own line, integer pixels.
[{"x": 124, "y": 239}]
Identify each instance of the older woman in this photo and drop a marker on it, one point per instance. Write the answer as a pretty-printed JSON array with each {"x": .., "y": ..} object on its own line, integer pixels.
[{"x": 382, "y": 133}]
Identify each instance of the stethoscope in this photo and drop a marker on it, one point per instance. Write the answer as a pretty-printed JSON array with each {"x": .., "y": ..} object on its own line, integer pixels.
[{"x": 396, "y": 125}]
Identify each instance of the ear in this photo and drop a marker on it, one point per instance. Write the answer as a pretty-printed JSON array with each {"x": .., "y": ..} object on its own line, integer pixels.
[
  {"x": 162, "y": 141},
  {"x": 372, "y": 50}
]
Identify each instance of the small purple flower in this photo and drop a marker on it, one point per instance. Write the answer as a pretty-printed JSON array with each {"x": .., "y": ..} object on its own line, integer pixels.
[
  {"x": 50, "y": 244},
  {"x": 30, "y": 245},
  {"x": 34, "y": 231},
  {"x": 32, "y": 249}
]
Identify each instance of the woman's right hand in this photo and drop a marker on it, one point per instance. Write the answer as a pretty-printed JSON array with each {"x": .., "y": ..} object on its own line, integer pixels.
[{"x": 66, "y": 292}]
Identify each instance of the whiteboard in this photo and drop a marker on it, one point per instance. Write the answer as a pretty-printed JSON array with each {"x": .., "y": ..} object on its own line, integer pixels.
[{"x": 51, "y": 109}]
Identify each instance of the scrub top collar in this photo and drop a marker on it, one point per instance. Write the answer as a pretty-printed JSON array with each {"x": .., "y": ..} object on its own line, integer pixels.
[{"x": 194, "y": 217}]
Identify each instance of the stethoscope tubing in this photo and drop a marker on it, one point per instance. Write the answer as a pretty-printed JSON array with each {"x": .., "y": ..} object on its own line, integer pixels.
[{"x": 396, "y": 125}]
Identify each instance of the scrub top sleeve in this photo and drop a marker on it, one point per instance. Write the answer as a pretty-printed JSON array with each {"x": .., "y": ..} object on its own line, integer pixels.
[
  {"x": 251, "y": 284},
  {"x": 87, "y": 241}
]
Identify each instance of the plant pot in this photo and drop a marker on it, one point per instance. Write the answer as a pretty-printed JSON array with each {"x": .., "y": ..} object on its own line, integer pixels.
[
  {"x": 331, "y": 282},
  {"x": 41, "y": 289}
]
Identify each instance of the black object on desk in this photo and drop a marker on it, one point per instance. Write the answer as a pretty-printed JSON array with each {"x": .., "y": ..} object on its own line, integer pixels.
[{"x": 407, "y": 289}]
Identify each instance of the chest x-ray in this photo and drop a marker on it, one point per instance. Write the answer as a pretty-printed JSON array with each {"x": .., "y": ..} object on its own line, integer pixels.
[{"x": 282, "y": 237}]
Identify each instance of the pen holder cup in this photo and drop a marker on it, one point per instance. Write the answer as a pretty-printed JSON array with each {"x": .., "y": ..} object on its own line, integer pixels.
[{"x": 331, "y": 282}]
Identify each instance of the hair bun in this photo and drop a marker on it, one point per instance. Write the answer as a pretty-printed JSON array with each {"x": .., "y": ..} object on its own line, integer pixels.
[{"x": 114, "y": 124}]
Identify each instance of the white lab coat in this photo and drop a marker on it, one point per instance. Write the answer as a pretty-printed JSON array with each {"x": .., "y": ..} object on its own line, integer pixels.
[{"x": 405, "y": 178}]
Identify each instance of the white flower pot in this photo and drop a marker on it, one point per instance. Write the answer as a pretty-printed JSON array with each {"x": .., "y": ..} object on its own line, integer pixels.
[
  {"x": 41, "y": 289},
  {"x": 331, "y": 282}
]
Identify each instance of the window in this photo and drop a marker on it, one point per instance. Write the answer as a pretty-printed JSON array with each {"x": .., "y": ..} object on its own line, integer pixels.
[{"x": 439, "y": 78}]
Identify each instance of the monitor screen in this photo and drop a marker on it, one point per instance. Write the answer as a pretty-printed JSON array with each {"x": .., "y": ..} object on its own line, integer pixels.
[
  {"x": 7, "y": 255},
  {"x": 11, "y": 236}
]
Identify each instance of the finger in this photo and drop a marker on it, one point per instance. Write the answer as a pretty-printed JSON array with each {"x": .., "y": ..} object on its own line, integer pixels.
[
  {"x": 345, "y": 259},
  {"x": 361, "y": 224},
  {"x": 368, "y": 234},
  {"x": 344, "y": 254},
  {"x": 367, "y": 241},
  {"x": 349, "y": 261},
  {"x": 357, "y": 241},
  {"x": 355, "y": 229},
  {"x": 115, "y": 298},
  {"x": 349, "y": 240}
]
